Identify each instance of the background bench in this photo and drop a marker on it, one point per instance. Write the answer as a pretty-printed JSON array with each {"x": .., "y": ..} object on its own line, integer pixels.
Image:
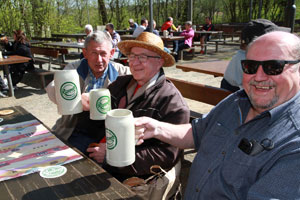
[
  {"x": 199, "y": 92},
  {"x": 42, "y": 55}
]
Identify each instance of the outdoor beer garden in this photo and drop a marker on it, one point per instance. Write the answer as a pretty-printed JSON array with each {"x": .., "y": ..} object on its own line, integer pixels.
[{"x": 47, "y": 73}]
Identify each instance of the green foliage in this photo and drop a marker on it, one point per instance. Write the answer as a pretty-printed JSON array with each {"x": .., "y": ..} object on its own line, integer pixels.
[{"x": 43, "y": 17}]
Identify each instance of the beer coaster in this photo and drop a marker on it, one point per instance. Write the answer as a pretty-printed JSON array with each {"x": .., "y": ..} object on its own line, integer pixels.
[
  {"x": 6, "y": 112},
  {"x": 53, "y": 171}
]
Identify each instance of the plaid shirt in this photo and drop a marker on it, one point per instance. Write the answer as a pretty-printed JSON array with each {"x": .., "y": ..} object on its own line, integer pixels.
[{"x": 96, "y": 83}]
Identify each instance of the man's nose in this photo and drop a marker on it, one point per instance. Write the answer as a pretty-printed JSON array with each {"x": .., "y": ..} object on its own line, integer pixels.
[
  {"x": 99, "y": 58},
  {"x": 260, "y": 74}
]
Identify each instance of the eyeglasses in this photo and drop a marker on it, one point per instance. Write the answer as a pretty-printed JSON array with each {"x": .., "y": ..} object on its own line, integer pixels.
[
  {"x": 141, "y": 58},
  {"x": 270, "y": 67}
]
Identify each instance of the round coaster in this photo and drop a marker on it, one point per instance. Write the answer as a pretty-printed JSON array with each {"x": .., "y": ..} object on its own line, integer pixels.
[
  {"x": 53, "y": 171},
  {"x": 6, "y": 112}
]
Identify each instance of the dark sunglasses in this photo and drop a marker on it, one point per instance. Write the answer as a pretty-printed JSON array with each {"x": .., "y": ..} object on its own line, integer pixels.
[{"x": 270, "y": 67}]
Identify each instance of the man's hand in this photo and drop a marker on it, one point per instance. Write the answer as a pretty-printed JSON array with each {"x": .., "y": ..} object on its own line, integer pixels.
[
  {"x": 145, "y": 128},
  {"x": 97, "y": 153},
  {"x": 85, "y": 100}
]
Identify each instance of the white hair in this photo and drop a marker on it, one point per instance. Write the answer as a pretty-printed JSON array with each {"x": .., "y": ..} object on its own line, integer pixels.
[{"x": 88, "y": 27}]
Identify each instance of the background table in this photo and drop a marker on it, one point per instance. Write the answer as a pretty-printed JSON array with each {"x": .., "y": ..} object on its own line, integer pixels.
[
  {"x": 84, "y": 178},
  {"x": 65, "y": 44},
  {"x": 77, "y": 36},
  {"x": 216, "y": 68},
  {"x": 14, "y": 59}
]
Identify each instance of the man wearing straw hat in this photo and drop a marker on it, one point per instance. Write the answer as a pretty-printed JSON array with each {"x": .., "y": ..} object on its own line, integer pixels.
[
  {"x": 95, "y": 71},
  {"x": 146, "y": 92}
]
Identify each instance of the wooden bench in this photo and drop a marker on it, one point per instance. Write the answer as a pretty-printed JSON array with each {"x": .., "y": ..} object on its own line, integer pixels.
[
  {"x": 199, "y": 92},
  {"x": 42, "y": 73},
  {"x": 189, "y": 50},
  {"x": 49, "y": 55}
]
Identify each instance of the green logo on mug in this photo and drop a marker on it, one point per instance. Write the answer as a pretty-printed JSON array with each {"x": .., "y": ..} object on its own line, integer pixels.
[
  {"x": 103, "y": 104},
  {"x": 111, "y": 139},
  {"x": 68, "y": 91}
]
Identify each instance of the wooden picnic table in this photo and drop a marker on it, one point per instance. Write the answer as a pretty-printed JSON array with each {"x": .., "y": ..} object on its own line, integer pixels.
[
  {"x": 84, "y": 178},
  {"x": 165, "y": 39},
  {"x": 171, "y": 38},
  {"x": 76, "y": 35},
  {"x": 13, "y": 59},
  {"x": 65, "y": 44},
  {"x": 216, "y": 68},
  {"x": 122, "y": 32}
]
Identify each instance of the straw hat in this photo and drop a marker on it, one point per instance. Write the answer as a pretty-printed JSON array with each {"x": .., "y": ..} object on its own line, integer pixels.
[{"x": 148, "y": 41}]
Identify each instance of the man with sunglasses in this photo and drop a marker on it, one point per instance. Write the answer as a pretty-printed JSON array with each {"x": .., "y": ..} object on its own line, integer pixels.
[
  {"x": 233, "y": 75},
  {"x": 248, "y": 146}
]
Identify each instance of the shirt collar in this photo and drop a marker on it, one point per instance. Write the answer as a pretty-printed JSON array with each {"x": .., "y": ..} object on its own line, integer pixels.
[
  {"x": 290, "y": 107},
  {"x": 102, "y": 77}
]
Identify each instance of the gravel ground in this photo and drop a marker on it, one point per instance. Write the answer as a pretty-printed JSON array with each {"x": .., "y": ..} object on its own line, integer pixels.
[{"x": 35, "y": 100}]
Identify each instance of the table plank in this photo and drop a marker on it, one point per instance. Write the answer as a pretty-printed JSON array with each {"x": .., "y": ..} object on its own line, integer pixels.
[
  {"x": 65, "y": 44},
  {"x": 13, "y": 59},
  {"x": 216, "y": 68},
  {"x": 84, "y": 178}
]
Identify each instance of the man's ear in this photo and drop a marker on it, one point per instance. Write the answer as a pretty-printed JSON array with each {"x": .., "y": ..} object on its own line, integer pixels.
[
  {"x": 84, "y": 52},
  {"x": 112, "y": 52}
]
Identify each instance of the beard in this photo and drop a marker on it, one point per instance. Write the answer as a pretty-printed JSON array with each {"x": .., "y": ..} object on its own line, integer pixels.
[{"x": 265, "y": 104}]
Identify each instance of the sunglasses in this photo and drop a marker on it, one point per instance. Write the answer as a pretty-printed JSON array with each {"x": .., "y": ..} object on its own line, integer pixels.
[{"x": 270, "y": 67}]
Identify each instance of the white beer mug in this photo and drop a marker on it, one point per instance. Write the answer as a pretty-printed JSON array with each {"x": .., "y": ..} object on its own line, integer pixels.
[
  {"x": 120, "y": 138},
  {"x": 165, "y": 33},
  {"x": 67, "y": 92},
  {"x": 100, "y": 103}
]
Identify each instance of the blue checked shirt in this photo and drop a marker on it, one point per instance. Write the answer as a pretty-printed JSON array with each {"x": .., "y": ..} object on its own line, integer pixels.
[
  {"x": 221, "y": 170},
  {"x": 96, "y": 83}
]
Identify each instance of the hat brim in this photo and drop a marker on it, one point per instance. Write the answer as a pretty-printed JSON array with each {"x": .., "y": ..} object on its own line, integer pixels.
[{"x": 126, "y": 45}]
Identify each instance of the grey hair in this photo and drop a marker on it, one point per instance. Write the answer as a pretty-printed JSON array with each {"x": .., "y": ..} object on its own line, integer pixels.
[
  {"x": 99, "y": 37},
  {"x": 189, "y": 23},
  {"x": 169, "y": 19},
  {"x": 88, "y": 27},
  {"x": 110, "y": 25}
]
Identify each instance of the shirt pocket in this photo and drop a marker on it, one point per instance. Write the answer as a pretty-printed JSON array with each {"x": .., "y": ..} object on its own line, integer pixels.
[
  {"x": 240, "y": 169},
  {"x": 215, "y": 139}
]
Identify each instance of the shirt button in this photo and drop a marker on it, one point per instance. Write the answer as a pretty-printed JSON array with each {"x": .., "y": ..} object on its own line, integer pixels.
[
  {"x": 209, "y": 171},
  {"x": 223, "y": 152},
  {"x": 197, "y": 189}
]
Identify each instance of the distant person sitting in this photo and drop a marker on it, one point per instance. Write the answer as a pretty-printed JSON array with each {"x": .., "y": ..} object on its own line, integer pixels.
[
  {"x": 188, "y": 34},
  {"x": 233, "y": 76},
  {"x": 208, "y": 26},
  {"x": 115, "y": 38},
  {"x": 88, "y": 29},
  {"x": 141, "y": 28},
  {"x": 20, "y": 46},
  {"x": 154, "y": 26},
  {"x": 168, "y": 25},
  {"x": 132, "y": 25}
]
